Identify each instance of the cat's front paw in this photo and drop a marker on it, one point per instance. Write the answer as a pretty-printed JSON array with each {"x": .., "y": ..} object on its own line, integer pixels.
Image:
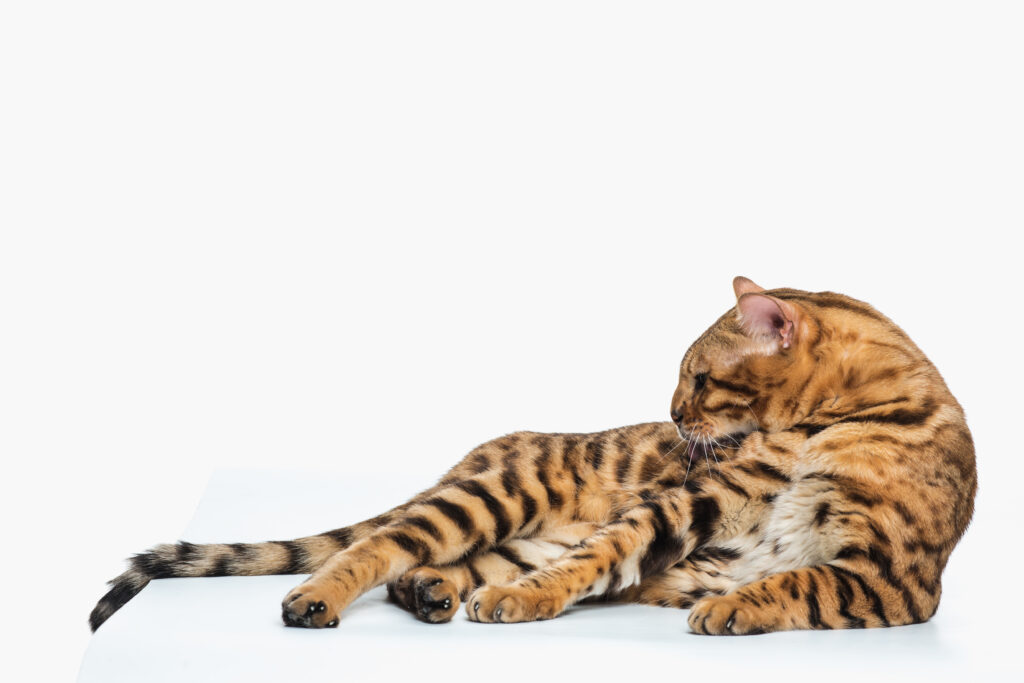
[
  {"x": 510, "y": 604},
  {"x": 725, "y": 615},
  {"x": 309, "y": 607}
]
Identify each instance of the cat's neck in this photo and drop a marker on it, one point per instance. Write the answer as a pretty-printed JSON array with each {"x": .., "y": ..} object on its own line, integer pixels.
[{"x": 860, "y": 381}]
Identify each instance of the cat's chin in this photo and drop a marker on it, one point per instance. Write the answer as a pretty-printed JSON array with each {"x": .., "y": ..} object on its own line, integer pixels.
[
  {"x": 701, "y": 447},
  {"x": 698, "y": 449}
]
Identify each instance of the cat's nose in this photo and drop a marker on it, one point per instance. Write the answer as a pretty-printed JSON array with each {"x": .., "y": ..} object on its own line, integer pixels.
[{"x": 677, "y": 415}]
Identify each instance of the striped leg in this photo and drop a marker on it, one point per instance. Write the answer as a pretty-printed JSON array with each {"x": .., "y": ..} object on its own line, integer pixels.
[
  {"x": 184, "y": 559},
  {"x": 460, "y": 520},
  {"x": 840, "y": 594},
  {"x": 681, "y": 586},
  {"x": 642, "y": 541},
  {"x": 433, "y": 594}
]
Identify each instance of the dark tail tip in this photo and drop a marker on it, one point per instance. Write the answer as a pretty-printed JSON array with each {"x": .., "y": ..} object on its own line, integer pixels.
[{"x": 123, "y": 589}]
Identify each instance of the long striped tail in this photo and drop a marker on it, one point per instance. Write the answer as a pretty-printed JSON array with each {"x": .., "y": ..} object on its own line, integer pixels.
[{"x": 300, "y": 556}]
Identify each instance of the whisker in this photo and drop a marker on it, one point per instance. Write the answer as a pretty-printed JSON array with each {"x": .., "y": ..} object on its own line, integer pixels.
[
  {"x": 731, "y": 438},
  {"x": 682, "y": 440},
  {"x": 704, "y": 438},
  {"x": 689, "y": 459},
  {"x": 717, "y": 445}
]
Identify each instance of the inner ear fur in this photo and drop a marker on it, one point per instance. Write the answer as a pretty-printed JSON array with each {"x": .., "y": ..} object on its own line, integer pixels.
[{"x": 761, "y": 315}]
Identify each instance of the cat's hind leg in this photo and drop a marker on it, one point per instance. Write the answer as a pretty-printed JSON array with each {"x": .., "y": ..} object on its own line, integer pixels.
[
  {"x": 433, "y": 594},
  {"x": 513, "y": 487}
]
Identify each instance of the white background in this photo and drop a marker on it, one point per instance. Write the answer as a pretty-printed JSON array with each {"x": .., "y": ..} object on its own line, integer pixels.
[{"x": 364, "y": 237}]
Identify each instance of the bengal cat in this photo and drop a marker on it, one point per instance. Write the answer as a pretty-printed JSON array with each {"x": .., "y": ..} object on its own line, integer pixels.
[{"x": 816, "y": 474}]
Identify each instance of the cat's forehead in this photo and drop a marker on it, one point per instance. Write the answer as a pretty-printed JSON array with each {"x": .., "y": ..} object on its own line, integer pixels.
[{"x": 719, "y": 341}]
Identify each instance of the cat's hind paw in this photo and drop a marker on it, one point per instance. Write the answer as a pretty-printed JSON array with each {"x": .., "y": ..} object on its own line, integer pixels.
[
  {"x": 306, "y": 608},
  {"x": 427, "y": 594}
]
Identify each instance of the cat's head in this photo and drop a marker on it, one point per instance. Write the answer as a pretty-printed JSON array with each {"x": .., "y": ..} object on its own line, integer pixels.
[{"x": 780, "y": 355}]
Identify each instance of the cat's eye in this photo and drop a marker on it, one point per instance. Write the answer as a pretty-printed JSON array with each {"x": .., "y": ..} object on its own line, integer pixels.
[{"x": 699, "y": 380}]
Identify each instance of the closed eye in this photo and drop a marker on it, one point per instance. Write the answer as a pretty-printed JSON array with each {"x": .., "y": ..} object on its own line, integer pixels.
[{"x": 699, "y": 380}]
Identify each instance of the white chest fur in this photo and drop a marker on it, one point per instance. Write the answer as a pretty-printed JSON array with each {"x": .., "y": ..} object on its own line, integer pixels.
[{"x": 789, "y": 535}]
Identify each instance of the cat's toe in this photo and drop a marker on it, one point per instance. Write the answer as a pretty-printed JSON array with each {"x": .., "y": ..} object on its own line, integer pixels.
[
  {"x": 723, "y": 615},
  {"x": 510, "y": 604}
]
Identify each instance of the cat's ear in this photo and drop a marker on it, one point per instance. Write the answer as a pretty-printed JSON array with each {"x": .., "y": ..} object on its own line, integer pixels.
[
  {"x": 761, "y": 315},
  {"x": 742, "y": 285}
]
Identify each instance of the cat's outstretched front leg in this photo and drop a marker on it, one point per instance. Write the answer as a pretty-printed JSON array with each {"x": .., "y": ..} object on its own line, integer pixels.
[
  {"x": 646, "y": 538},
  {"x": 644, "y": 541},
  {"x": 846, "y": 593}
]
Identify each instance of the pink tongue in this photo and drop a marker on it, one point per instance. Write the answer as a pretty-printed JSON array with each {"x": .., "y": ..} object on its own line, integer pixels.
[{"x": 691, "y": 450}]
